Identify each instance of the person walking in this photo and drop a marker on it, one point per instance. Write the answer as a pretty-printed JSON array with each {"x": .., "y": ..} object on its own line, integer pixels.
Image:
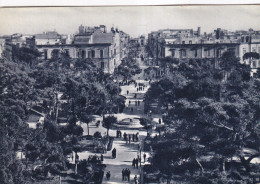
[
  {"x": 123, "y": 174},
  {"x": 160, "y": 121},
  {"x": 125, "y": 136},
  {"x": 144, "y": 157},
  {"x": 129, "y": 137},
  {"x": 128, "y": 174},
  {"x": 135, "y": 179},
  {"x": 102, "y": 158},
  {"x": 133, "y": 137},
  {"x": 133, "y": 163},
  {"x": 127, "y": 92},
  {"x": 108, "y": 175},
  {"x": 136, "y": 163}
]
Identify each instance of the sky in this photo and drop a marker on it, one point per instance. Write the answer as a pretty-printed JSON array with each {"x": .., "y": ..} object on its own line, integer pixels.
[{"x": 134, "y": 20}]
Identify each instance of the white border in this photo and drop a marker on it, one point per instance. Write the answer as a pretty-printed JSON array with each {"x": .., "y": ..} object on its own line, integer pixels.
[{"x": 6, "y": 3}]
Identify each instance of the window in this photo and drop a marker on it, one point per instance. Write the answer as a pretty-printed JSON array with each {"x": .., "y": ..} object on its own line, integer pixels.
[
  {"x": 83, "y": 54},
  {"x": 93, "y": 54},
  {"x": 184, "y": 53},
  {"x": 244, "y": 51},
  {"x": 101, "y": 53},
  {"x": 45, "y": 54},
  {"x": 102, "y": 65},
  {"x": 173, "y": 53},
  {"x": 218, "y": 53},
  {"x": 254, "y": 64}
]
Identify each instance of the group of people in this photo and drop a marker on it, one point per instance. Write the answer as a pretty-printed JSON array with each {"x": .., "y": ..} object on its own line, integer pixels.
[
  {"x": 140, "y": 88},
  {"x": 126, "y": 174},
  {"x": 137, "y": 103},
  {"x": 134, "y": 137},
  {"x": 135, "y": 162},
  {"x": 114, "y": 153}
]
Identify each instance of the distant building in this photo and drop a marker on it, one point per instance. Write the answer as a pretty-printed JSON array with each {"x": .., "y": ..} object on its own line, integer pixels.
[
  {"x": 107, "y": 49},
  {"x": 189, "y": 44}
]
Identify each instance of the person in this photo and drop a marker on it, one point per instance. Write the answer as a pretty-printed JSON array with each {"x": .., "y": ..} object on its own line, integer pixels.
[
  {"x": 125, "y": 136},
  {"x": 144, "y": 157},
  {"x": 108, "y": 175},
  {"x": 123, "y": 174},
  {"x": 128, "y": 174},
  {"x": 127, "y": 92},
  {"x": 137, "y": 89},
  {"x": 129, "y": 102},
  {"x": 136, "y": 136},
  {"x": 114, "y": 153},
  {"x": 136, "y": 163},
  {"x": 133, "y": 162},
  {"x": 133, "y": 137},
  {"x": 129, "y": 137},
  {"x": 138, "y": 103},
  {"x": 102, "y": 158},
  {"x": 160, "y": 121},
  {"x": 120, "y": 134},
  {"x": 135, "y": 179}
]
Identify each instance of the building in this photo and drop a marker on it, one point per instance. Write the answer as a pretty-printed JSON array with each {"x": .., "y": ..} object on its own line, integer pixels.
[
  {"x": 188, "y": 44},
  {"x": 106, "y": 49}
]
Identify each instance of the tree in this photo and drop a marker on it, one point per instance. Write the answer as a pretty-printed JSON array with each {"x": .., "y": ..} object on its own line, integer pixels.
[
  {"x": 147, "y": 123},
  {"x": 108, "y": 122},
  {"x": 85, "y": 118}
]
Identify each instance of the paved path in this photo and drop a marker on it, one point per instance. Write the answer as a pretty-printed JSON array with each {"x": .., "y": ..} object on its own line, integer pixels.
[{"x": 125, "y": 152}]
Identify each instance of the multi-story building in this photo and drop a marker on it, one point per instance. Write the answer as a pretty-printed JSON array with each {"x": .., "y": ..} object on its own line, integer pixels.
[
  {"x": 106, "y": 49},
  {"x": 180, "y": 46}
]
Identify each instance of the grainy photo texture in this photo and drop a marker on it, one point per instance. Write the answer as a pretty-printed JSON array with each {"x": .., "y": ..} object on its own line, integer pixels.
[{"x": 138, "y": 94}]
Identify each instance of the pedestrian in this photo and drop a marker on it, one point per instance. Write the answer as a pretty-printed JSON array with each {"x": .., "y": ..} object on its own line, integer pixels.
[
  {"x": 137, "y": 137},
  {"x": 129, "y": 137},
  {"x": 127, "y": 92},
  {"x": 114, "y": 153},
  {"x": 144, "y": 157},
  {"x": 133, "y": 137},
  {"x": 135, "y": 179},
  {"x": 137, "y": 89},
  {"x": 138, "y": 103},
  {"x": 120, "y": 134},
  {"x": 102, "y": 158},
  {"x": 133, "y": 162},
  {"x": 128, "y": 174},
  {"x": 129, "y": 102},
  {"x": 125, "y": 136},
  {"x": 136, "y": 163},
  {"x": 160, "y": 121},
  {"x": 123, "y": 174},
  {"x": 108, "y": 175}
]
